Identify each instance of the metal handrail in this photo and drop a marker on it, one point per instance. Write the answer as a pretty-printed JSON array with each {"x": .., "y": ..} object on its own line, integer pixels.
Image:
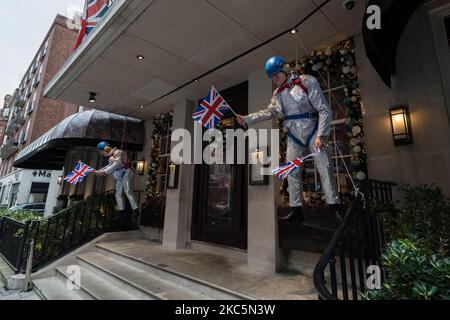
[
  {"x": 329, "y": 253},
  {"x": 58, "y": 234},
  {"x": 358, "y": 239}
]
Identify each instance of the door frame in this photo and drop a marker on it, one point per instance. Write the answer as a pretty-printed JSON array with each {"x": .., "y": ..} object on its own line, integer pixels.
[{"x": 240, "y": 195}]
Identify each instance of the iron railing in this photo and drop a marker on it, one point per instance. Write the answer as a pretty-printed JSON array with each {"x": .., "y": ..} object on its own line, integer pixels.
[
  {"x": 358, "y": 243},
  {"x": 12, "y": 240},
  {"x": 60, "y": 233}
]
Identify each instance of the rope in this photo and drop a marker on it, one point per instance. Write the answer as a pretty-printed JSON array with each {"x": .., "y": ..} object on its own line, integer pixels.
[{"x": 123, "y": 132}]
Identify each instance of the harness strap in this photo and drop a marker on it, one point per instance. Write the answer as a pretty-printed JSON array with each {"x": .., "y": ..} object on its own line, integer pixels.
[
  {"x": 306, "y": 115},
  {"x": 291, "y": 84},
  {"x": 308, "y": 140}
]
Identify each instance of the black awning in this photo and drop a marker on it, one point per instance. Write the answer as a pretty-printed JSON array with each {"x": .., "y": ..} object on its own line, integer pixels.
[
  {"x": 81, "y": 129},
  {"x": 381, "y": 45}
]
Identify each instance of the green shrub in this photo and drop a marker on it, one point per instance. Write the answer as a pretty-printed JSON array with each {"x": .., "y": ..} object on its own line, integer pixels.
[
  {"x": 20, "y": 215},
  {"x": 414, "y": 273},
  {"x": 424, "y": 214}
]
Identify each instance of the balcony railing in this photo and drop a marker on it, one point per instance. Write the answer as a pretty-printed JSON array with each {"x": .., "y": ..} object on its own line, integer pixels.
[
  {"x": 19, "y": 119},
  {"x": 11, "y": 129},
  {"x": 9, "y": 148}
]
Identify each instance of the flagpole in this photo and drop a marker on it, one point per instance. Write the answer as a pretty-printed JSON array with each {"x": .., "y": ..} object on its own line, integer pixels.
[{"x": 225, "y": 101}]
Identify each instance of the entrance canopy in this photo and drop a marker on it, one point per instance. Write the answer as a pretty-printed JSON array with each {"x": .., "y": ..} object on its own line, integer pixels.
[
  {"x": 179, "y": 41},
  {"x": 81, "y": 129}
]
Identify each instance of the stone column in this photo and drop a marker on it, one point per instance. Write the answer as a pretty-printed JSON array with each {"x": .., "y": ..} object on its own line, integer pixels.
[
  {"x": 177, "y": 221},
  {"x": 263, "y": 250}
]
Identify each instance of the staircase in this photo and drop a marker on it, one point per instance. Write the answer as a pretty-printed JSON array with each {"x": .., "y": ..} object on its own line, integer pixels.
[{"x": 108, "y": 274}]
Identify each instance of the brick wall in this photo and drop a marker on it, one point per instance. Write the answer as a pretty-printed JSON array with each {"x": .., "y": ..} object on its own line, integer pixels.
[{"x": 48, "y": 112}]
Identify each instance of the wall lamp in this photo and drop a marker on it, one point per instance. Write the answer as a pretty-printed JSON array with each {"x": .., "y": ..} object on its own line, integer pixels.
[
  {"x": 60, "y": 179},
  {"x": 401, "y": 124},
  {"x": 92, "y": 96},
  {"x": 140, "y": 167}
]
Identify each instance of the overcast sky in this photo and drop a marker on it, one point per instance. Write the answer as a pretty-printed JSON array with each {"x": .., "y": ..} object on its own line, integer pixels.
[{"x": 23, "y": 26}]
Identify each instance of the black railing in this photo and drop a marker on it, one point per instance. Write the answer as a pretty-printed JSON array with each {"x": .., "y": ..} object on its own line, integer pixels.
[
  {"x": 60, "y": 233},
  {"x": 12, "y": 241},
  {"x": 341, "y": 273}
]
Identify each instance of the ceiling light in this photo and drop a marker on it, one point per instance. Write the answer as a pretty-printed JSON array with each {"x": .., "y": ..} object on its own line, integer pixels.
[
  {"x": 293, "y": 31},
  {"x": 92, "y": 97},
  {"x": 140, "y": 57},
  {"x": 142, "y": 106}
]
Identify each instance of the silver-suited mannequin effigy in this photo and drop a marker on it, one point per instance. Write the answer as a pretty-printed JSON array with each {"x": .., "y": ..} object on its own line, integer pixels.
[
  {"x": 306, "y": 114},
  {"x": 120, "y": 167}
]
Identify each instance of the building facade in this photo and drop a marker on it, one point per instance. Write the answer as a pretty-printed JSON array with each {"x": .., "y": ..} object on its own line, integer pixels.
[
  {"x": 158, "y": 74},
  {"x": 29, "y": 115}
]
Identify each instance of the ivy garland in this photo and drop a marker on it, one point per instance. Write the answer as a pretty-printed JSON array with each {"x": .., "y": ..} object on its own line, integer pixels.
[
  {"x": 339, "y": 61},
  {"x": 161, "y": 124}
]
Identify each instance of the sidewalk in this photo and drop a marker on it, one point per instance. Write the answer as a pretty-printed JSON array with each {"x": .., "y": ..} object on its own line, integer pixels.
[{"x": 17, "y": 295}]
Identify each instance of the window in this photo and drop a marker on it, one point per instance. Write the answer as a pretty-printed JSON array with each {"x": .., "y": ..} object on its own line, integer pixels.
[
  {"x": 28, "y": 92},
  {"x": 338, "y": 139},
  {"x": 21, "y": 136},
  {"x": 34, "y": 66},
  {"x": 38, "y": 193},
  {"x": 44, "y": 51},
  {"x": 27, "y": 131},
  {"x": 37, "y": 78},
  {"x": 165, "y": 144},
  {"x": 32, "y": 104}
]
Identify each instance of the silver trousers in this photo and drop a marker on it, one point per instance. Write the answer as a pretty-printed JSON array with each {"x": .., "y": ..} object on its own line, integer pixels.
[
  {"x": 323, "y": 166},
  {"x": 124, "y": 184}
]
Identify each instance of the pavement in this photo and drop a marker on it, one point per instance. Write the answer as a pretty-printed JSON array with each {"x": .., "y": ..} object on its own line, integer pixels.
[{"x": 17, "y": 295}]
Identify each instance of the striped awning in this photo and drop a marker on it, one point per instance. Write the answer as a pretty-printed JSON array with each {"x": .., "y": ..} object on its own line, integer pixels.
[{"x": 87, "y": 128}]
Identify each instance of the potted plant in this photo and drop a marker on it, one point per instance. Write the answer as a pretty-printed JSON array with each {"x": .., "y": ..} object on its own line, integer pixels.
[
  {"x": 75, "y": 199},
  {"x": 61, "y": 201}
]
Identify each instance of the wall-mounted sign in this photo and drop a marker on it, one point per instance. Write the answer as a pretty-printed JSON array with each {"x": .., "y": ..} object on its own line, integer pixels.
[{"x": 42, "y": 174}]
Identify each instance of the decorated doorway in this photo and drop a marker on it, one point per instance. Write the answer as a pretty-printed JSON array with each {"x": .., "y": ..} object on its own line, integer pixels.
[
  {"x": 220, "y": 190},
  {"x": 153, "y": 208}
]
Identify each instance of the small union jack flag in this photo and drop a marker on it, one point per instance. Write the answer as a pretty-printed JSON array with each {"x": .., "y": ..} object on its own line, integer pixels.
[
  {"x": 80, "y": 172},
  {"x": 94, "y": 10},
  {"x": 211, "y": 110},
  {"x": 283, "y": 171}
]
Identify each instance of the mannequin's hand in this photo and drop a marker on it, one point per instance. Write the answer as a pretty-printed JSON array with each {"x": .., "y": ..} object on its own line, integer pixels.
[
  {"x": 241, "y": 121},
  {"x": 318, "y": 143}
]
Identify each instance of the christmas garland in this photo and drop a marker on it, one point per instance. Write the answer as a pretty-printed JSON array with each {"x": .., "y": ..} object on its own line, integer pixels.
[
  {"x": 339, "y": 61},
  {"x": 160, "y": 124}
]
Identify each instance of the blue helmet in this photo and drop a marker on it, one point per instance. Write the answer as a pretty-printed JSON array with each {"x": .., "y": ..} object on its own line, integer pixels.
[
  {"x": 102, "y": 145},
  {"x": 274, "y": 65}
]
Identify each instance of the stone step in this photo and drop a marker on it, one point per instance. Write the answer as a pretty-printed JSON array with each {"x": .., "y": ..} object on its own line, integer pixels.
[
  {"x": 54, "y": 288},
  {"x": 208, "y": 289},
  {"x": 96, "y": 287},
  {"x": 135, "y": 281}
]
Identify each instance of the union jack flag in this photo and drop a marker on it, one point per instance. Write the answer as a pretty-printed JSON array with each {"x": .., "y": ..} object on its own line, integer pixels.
[
  {"x": 211, "y": 109},
  {"x": 80, "y": 172},
  {"x": 94, "y": 10},
  {"x": 283, "y": 171}
]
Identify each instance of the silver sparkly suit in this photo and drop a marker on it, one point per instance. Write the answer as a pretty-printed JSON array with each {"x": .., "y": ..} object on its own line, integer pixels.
[
  {"x": 124, "y": 177},
  {"x": 295, "y": 101}
]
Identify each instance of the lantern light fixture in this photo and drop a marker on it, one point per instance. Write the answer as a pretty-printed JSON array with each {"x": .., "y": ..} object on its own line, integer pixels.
[{"x": 401, "y": 124}]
